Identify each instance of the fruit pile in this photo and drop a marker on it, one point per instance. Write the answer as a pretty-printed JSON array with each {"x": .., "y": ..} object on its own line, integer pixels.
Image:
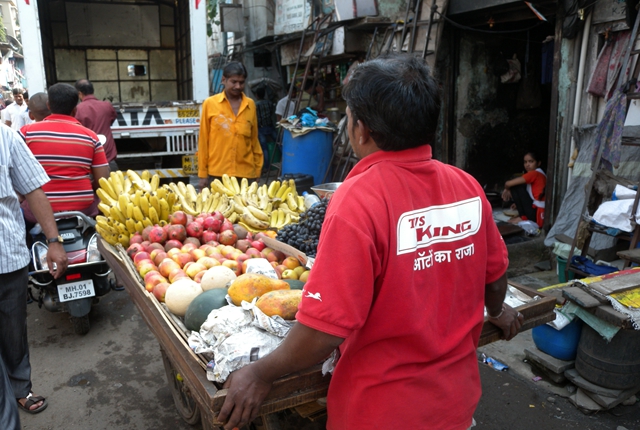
[
  {"x": 305, "y": 234},
  {"x": 132, "y": 202}
]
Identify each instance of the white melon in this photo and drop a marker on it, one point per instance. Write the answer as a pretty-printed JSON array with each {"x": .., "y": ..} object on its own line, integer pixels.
[
  {"x": 180, "y": 294},
  {"x": 217, "y": 277}
]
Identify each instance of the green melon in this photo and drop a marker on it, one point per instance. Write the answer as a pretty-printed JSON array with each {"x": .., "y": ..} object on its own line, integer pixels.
[
  {"x": 201, "y": 306},
  {"x": 294, "y": 284}
]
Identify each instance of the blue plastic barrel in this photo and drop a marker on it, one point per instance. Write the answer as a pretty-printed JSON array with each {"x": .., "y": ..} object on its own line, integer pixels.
[
  {"x": 309, "y": 153},
  {"x": 561, "y": 344}
]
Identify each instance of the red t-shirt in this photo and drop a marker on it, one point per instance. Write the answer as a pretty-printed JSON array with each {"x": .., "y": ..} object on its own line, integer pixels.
[
  {"x": 536, "y": 181},
  {"x": 407, "y": 246},
  {"x": 68, "y": 152}
]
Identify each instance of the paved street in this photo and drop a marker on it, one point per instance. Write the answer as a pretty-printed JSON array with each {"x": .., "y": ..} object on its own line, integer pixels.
[{"x": 113, "y": 378}]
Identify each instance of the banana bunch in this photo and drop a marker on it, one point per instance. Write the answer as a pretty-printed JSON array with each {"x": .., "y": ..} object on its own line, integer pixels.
[
  {"x": 130, "y": 202},
  {"x": 259, "y": 207}
]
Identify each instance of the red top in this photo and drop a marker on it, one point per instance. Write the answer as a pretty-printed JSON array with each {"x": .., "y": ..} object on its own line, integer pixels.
[
  {"x": 536, "y": 181},
  {"x": 406, "y": 248},
  {"x": 98, "y": 116},
  {"x": 67, "y": 151}
]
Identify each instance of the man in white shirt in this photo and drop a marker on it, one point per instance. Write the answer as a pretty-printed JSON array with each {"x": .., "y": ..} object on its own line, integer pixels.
[
  {"x": 23, "y": 118},
  {"x": 15, "y": 109},
  {"x": 285, "y": 107}
]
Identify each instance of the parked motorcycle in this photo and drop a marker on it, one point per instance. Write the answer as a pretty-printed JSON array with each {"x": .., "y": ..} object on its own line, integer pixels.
[{"x": 87, "y": 276}]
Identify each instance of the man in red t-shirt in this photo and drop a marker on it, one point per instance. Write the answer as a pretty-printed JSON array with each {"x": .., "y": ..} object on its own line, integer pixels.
[
  {"x": 97, "y": 116},
  {"x": 70, "y": 154},
  {"x": 408, "y": 258}
]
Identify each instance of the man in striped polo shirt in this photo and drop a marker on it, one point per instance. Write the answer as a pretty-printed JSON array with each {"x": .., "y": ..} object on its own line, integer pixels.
[{"x": 70, "y": 154}]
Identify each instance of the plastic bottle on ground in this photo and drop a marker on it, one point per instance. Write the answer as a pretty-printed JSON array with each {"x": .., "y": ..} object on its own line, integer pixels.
[{"x": 310, "y": 200}]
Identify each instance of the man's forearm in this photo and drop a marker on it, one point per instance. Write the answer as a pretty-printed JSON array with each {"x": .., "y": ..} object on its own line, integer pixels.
[
  {"x": 41, "y": 209},
  {"x": 494, "y": 294},
  {"x": 302, "y": 348}
]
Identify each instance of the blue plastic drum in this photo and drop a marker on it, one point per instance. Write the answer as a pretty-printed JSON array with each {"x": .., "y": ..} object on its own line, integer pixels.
[{"x": 309, "y": 153}]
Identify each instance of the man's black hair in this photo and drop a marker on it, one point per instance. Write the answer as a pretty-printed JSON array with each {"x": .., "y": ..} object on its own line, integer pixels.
[
  {"x": 25, "y": 95},
  {"x": 84, "y": 86},
  {"x": 396, "y": 97},
  {"x": 63, "y": 98},
  {"x": 234, "y": 68},
  {"x": 260, "y": 92},
  {"x": 17, "y": 91}
]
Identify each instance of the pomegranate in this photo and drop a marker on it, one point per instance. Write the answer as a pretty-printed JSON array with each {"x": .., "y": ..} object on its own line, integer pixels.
[
  {"x": 145, "y": 233},
  {"x": 135, "y": 238},
  {"x": 194, "y": 229},
  {"x": 177, "y": 232},
  {"x": 157, "y": 235},
  {"x": 209, "y": 236},
  {"x": 193, "y": 240},
  {"x": 228, "y": 237},
  {"x": 218, "y": 215},
  {"x": 226, "y": 225},
  {"x": 212, "y": 224},
  {"x": 178, "y": 217}
]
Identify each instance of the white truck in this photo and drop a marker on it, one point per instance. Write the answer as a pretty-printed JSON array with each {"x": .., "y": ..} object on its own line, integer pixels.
[{"x": 148, "y": 57}]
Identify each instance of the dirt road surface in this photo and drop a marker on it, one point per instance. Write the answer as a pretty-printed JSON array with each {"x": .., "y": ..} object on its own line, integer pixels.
[{"x": 113, "y": 378}]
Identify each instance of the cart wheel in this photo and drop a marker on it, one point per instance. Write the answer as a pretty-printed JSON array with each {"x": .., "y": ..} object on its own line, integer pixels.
[
  {"x": 186, "y": 406},
  {"x": 81, "y": 325}
]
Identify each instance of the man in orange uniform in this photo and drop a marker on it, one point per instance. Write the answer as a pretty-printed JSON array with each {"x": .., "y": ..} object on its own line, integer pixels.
[{"x": 228, "y": 141}]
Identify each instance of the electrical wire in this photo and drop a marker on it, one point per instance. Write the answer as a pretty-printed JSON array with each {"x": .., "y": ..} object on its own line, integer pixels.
[{"x": 479, "y": 30}]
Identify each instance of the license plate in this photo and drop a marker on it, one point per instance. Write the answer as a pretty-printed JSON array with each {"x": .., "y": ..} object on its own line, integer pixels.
[
  {"x": 190, "y": 164},
  {"x": 76, "y": 290}
]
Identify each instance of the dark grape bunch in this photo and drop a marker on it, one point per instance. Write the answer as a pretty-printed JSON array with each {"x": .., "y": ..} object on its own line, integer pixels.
[{"x": 305, "y": 234}]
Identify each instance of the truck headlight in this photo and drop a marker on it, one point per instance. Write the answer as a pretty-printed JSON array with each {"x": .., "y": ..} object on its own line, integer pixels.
[{"x": 92, "y": 250}]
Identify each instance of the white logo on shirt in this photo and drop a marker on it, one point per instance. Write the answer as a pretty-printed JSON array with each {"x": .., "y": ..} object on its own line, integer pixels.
[
  {"x": 446, "y": 223},
  {"x": 313, "y": 296}
]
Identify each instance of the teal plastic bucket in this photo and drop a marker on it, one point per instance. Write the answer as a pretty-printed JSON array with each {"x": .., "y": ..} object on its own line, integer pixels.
[
  {"x": 562, "y": 264},
  {"x": 309, "y": 153}
]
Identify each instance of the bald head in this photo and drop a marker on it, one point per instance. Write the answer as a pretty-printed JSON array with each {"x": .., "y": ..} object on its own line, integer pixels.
[{"x": 38, "y": 108}]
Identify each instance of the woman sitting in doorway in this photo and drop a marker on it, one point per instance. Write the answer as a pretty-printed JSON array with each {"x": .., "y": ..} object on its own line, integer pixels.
[{"x": 527, "y": 191}]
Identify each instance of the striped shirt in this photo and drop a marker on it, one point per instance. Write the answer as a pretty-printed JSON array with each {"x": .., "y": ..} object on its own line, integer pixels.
[
  {"x": 19, "y": 171},
  {"x": 68, "y": 152}
]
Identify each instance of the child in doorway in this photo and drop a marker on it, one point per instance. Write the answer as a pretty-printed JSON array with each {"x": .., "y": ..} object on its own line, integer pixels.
[{"x": 527, "y": 191}]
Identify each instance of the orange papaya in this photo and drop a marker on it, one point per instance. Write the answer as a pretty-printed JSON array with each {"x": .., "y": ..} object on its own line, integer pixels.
[
  {"x": 280, "y": 302},
  {"x": 250, "y": 285}
]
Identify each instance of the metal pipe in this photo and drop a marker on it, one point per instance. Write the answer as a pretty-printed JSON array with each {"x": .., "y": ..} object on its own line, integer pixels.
[{"x": 576, "y": 107}]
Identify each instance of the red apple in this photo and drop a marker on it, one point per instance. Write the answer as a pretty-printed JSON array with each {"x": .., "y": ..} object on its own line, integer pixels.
[
  {"x": 159, "y": 258},
  {"x": 291, "y": 262},
  {"x": 173, "y": 243},
  {"x": 178, "y": 218},
  {"x": 142, "y": 255},
  {"x": 176, "y": 274},
  {"x": 233, "y": 265},
  {"x": 188, "y": 247},
  {"x": 160, "y": 290},
  {"x": 254, "y": 253},
  {"x": 153, "y": 246},
  {"x": 133, "y": 249},
  {"x": 258, "y": 244},
  {"x": 194, "y": 269},
  {"x": 146, "y": 267},
  {"x": 242, "y": 258},
  {"x": 213, "y": 252},
  {"x": 197, "y": 254},
  {"x": 153, "y": 278},
  {"x": 279, "y": 255},
  {"x": 199, "y": 276},
  {"x": 208, "y": 262},
  {"x": 166, "y": 266},
  {"x": 173, "y": 251},
  {"x": 182, "y": 258},
  {"x": 243, "y": 245}
]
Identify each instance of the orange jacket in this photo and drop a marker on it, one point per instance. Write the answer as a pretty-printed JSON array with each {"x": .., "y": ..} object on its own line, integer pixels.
[{"x": 229, "y": 143}]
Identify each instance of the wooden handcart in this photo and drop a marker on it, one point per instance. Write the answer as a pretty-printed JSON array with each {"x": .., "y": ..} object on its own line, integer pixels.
[{"x": 198, "y": 399}]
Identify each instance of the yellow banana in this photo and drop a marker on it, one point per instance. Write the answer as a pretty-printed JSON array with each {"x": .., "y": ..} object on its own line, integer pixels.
[
  {"x": 283, "y": 191},
  {"x": 248, "y": 218},
  {"x": 105, "y": 197},
  {"x": 137, "y": 214},
  {"x": 235, "y": 185},
  {"x": 186, "y": 207},
  {"x": 144, "y": 205},
  {"x": 154, "y": 182},
  {"x": 291, "y": 202},
  {"x": 120, "y": 176},
  {"x": 138, "y": 182},
  {"x": 273, "y": 189},
  {"x": 263, "y": 202},
  {"x": 287, "y": 219},
  {"x": 116, "y": 215},
  {"x": 248, "y": 227},
  {"x": 281, "y": 218},
  {"x": 182, "y": 188},
  {"x": 244, "y": 185},
  {"x": 300, "y": 200},
  {"x": 103, "y": 219},
  {"x": 161, "y": 192},
  {"x": 105, "y": 209},
  {"x": 123, "y": 240},
  {"x": 135, "y": 197},
  {"x": 162, "y": 223},
  {"x": 106, "y": 186},
  {"x": 153, "y": 201},
  {"x": 233, "y": 218},
  {"x": 131, "y": 225},
  {"x": 147, "y": 222},
  {"x": 273, "y": 219},
  {"x": 153, "y": 215},
  {"x": 107, "y": 227},
  {"x": 216, "y": 185},
  {"x": 116, "y": 183},
  {"x": 269, "y": 208},
  {"x": 171, "y": 198},
  {"x": 127, "y": 185},
  {"x": 123, "y": 202},
  {"x": 198, "y": 203},
  {"x": 111, "y": 238},
  {"x": 253, "y": 188},
  {"x": 145, "y": 175},
  {"x": 129, "y": 211},
  {"x": 258, "y": 213},
  {"x": 121, "y": 227},
  {"x": 164, "y": 210},
  {"x": 175, "y": 208},
  {"x": 139, "y": 226},
  {"x": 226, "y": 181},
  {"x": 226, "y": 212},
  {"x": 292, "y": 185}
]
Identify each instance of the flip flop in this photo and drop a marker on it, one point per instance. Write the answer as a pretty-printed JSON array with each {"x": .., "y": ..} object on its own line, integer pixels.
[{"x": 32, "y": 400}]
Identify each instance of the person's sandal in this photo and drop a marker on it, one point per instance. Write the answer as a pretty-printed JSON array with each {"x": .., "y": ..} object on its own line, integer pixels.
[{"x": 32, "y": 400}]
